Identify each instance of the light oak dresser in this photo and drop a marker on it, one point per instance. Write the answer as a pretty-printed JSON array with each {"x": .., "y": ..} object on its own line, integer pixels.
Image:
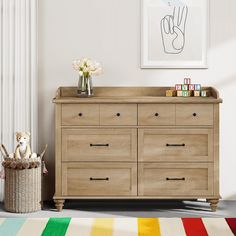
[{"x": 135, "y": 143}]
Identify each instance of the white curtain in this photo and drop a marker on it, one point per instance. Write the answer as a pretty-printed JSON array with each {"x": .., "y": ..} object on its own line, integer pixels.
[{"x": 18, "y": 70}]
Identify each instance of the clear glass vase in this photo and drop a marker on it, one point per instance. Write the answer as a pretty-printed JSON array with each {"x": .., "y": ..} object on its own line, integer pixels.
[{"x": 85, "y": 87}]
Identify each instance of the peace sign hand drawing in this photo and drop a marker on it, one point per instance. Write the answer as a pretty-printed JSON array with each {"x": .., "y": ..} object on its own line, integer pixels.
[{"x": 173, "y": 30}]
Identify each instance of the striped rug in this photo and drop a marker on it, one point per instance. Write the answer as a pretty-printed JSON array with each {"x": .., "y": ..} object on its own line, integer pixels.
[{"x": 117, "y": 226}]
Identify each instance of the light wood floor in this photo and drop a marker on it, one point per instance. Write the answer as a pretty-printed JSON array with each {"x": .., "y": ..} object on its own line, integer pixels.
[{"x": 132, "y": 209}]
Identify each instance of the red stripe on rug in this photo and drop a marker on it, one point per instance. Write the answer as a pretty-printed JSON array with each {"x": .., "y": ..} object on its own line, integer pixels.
[
  {"x": 194, "y": 227},
  {"x": 232, "y": 224}
]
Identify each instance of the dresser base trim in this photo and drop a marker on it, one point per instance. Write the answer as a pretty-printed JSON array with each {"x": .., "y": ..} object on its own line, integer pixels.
[{"x": 59, "y": 201}]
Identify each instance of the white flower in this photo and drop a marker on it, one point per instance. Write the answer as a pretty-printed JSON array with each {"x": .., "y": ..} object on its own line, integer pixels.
[{"x": 87, "y": 67}]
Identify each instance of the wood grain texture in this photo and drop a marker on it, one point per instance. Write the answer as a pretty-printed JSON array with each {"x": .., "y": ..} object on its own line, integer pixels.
[
  {"x": 216, "y": 149},
  {"x": 156, "y": 114},
  {"x": 99, "y": 145},
  {"x": 118, "y": 114},
  {"x": 108, "y": 148},
  {"x": 58, "y": 146},
  {"x": 132, "y": 95},
  {"x": 179, "y": 145},
  {"x": 99, "y": 179},
  {"x": 80, "y": 114},
  {"x": 175, "y": 179},
  {"x": 194, "y": 114}
]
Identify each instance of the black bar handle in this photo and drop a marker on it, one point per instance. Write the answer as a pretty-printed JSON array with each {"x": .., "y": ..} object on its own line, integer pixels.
[
  {"x": 99, "y": 145},
  {"x": 182, "y": 179},
  {"x": 175, "y": 145},
  {"x": 100, "y": 179}
]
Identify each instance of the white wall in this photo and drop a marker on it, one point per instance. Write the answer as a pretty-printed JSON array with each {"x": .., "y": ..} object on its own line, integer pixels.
[{"x": 109, "y": 31}]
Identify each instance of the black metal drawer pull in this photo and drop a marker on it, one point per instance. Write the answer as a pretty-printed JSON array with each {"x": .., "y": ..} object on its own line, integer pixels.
[
  {"x": 117, "y": 114},
  {"x": 175, "y": 145},
  {"x": 194, "y": 114},
  {"x": 80, "y": 114},
  {"x": 182, "y": 179},
  {"x": 156, "y": 114},
  {"x": 99, "y": 145},
  {"x": 100, "y": 179}
]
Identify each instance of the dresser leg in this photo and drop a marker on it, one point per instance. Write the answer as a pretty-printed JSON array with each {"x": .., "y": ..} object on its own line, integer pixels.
[
  {"x": 59, "y": 203},
  {"x": 213, "y": 203}
]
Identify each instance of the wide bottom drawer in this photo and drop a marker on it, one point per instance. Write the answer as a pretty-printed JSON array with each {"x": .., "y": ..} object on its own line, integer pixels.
[
  {"x": 156, "y": 179},
  {"x": 99, "y": 179}
]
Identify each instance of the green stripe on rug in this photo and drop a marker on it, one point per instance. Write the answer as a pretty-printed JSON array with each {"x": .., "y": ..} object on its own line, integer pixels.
[
  {"x": 56, "y": 227},
  {"x": 11, "y": 226}
]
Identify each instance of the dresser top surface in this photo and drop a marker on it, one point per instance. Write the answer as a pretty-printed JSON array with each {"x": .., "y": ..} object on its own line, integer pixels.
[{"x": 132, "y": 95}]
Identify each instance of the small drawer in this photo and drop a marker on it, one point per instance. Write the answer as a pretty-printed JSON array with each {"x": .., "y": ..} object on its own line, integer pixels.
[
  {"x": 80, "y": 114},
  {"x": 156, "y": 114},
  {"x": 194, "y": 114},
  {"x": 99, "y": 179},
  {"x": 178, "y": 145},
  {"x": 99, "y": 145},
  {"x": 175, "y": 179},
  {"x": 118, "y": 114}
]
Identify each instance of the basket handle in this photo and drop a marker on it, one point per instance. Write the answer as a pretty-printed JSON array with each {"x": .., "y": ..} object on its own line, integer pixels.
[
  {"x": 4, "y": 151},
  {"x": 42, "y": 154}
]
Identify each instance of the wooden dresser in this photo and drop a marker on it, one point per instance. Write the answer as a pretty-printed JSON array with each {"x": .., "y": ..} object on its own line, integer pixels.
[{"x": 135, "y": 143}]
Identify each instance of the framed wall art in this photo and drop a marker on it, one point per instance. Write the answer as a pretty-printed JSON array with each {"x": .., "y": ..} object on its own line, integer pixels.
[{"x": 174, "y": 33}]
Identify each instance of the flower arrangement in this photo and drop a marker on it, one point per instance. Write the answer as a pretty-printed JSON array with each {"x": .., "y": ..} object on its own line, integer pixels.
[{"x": 86, "y": 67}]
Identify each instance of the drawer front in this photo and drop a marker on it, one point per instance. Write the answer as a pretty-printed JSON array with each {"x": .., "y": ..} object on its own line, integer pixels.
[
  {"x": 99, "y": 145},
  {"x": 156, "y": 114},
  {"x": 183, "y": 145},
  {"x": 173, "y": 179},
  {"x": 194, "y": 114},
  {"x": 80, "y": 114},
  {"x": 118, "y": 114},
  {"x": 99, "y": 179}
]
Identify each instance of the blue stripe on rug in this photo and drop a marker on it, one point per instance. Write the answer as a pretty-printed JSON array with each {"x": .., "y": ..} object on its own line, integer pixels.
[{"x": 11, "y": 226}]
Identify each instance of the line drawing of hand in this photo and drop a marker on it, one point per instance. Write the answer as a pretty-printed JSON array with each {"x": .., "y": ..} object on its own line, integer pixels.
[{"x": 173, "y": 30}]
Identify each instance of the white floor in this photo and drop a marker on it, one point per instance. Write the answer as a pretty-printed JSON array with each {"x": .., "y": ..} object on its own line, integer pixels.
[{"x": 132, "y": 209}]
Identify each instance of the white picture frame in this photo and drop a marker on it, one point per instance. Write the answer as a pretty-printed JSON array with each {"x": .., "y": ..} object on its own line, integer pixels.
[{"x": 174, "y": 33}]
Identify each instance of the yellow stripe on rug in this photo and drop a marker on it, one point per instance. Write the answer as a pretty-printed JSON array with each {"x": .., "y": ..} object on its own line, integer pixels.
[
  {"x": 33, "y": 226},
  {"x": 217, "y": 227},
  {"x": 80, "y": 226},
  {"x": 148, "y": 227},
  {"x": 102, "y": 226}
]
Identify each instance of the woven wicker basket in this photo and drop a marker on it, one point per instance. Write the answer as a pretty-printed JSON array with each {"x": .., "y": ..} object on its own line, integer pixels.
[{"x": 23, "y": 190}]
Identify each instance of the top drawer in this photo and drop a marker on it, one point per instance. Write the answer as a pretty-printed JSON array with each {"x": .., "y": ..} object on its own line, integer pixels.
[
  {"x": 80, "y": 114},
  {"x": 156, "y": 114},
  {"x": 194, "y": 114},
  {"x": 118, "y": 114}
]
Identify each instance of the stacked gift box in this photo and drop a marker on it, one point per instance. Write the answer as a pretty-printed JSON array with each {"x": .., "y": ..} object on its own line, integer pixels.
[{"x": 187, "y": 90}]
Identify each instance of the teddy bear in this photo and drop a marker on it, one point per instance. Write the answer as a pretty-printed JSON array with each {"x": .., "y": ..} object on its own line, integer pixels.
[{"x": 23, "y": 150}]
